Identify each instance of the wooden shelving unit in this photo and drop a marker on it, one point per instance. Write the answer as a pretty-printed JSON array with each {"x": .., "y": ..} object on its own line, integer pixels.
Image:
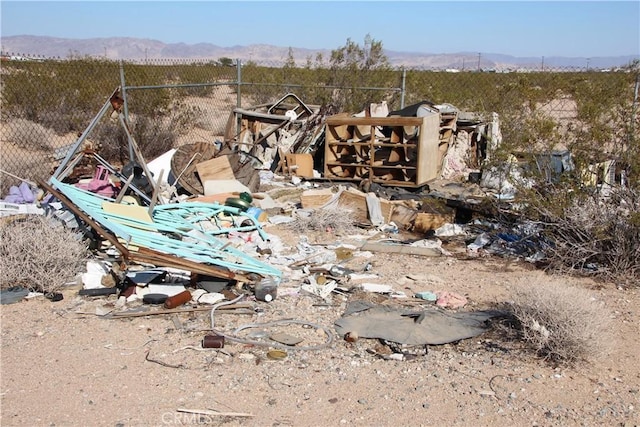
[
  {"x": 399, "y": 151},
  {"x": 448, "y": 129}
]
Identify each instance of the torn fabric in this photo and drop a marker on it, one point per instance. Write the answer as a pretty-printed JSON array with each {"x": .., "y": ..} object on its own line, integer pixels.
[{"x": 413, "y": 327}]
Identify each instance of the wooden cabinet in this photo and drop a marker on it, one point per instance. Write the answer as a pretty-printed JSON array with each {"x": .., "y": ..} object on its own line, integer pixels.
[{"x": 398, "y": 151}]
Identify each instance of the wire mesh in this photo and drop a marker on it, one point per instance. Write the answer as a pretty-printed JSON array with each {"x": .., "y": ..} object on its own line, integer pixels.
[{"x": 47, "y": 103}]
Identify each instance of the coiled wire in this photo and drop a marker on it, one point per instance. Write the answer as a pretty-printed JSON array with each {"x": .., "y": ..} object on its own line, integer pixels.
[{"x": 233, "y": 336}]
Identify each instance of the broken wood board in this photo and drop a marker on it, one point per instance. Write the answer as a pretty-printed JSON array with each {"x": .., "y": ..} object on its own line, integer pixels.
[
  {"x": 316, "y": 198},
  {"x": 403, "y": 215},
  {"x": 425, "y": 221},
  {"x": 213, "y": 198},
  {"x": 396, "y": 248},
  {"x": 299, "y": 165},
  {"x": 350, "y": 199},
  {"x": 356, "y": 201},
  {"x": 150, "y": 312},
  {"x": 214, "y": 169},
  {"x": 429, "y": 160},
  {"x": 133, "y": 212},
  {"x": 433, "y": 214}
]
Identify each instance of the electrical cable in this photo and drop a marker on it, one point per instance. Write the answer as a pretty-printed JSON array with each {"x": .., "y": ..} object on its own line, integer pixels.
[{"x": 233, "y": 336}]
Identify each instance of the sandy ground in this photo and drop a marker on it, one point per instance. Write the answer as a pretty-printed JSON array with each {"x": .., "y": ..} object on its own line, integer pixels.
[{"x": 63, "y": 365}]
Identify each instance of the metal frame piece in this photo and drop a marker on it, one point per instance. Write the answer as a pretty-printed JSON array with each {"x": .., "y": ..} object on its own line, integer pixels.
[
  {"x": 73, "y": 156},
  {"x": 72, "y": 151}
]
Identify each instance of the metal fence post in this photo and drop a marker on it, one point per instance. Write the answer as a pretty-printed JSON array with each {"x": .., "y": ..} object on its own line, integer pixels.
[
  {"x": 123, "y": 89},
  {"x": 125, "y": 107},
  {"x": 403, "y": 87},
  {"x": 238, "y": 82},
  {"x": 239, "y": 98}
]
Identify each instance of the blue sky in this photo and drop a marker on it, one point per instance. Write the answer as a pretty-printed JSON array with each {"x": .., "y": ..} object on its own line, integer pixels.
[{"x": 519, "y": 28}]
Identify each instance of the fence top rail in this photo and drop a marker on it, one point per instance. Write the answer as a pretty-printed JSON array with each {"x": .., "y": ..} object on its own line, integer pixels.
[{"x": 176, "y": 86}]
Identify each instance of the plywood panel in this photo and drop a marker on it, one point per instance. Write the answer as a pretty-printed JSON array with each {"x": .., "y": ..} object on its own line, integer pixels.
[
  {"x": 429, "y": 161},
  {"x": 299, "y": 164},
  {"x": 214, "y": 169}
]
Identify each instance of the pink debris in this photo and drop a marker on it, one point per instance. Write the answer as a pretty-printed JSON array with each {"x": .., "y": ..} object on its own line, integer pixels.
[{"x": 450, "y": 300}]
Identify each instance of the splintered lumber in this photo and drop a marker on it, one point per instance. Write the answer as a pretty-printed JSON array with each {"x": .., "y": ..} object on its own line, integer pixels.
[
  {"x": 356, "y": 201},
  {"x": 215, "y": 169},
  {"x": 315, "y": 198},
  {"x": 397, "y": 248},
  {"x": 425, "y": 221},
  {"x": 127, "y": 314},
  {"x": 349, "y": 199},
  {"x": 299, "y": 164}
]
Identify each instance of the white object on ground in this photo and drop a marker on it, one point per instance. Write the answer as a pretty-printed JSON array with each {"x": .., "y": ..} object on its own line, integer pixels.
[
  {"x": 450, "y": 230},
  {"x": 377, "y": 288}
]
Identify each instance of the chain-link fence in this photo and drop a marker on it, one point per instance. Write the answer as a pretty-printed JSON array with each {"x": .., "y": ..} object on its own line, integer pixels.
[{"x": 48, "y": 103}]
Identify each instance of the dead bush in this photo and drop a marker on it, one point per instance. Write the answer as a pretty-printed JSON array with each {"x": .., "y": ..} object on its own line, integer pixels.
[
  {"x": 562, "y": 323},
  {"x": 39, "y": 253},
  {"x": 28, "y": 134},
  {"x": 336, "y": 220},
  {"x": 29, "y": 165},
  {"x": 597, "y": 236},
  {"x": 153, "y": 137}
]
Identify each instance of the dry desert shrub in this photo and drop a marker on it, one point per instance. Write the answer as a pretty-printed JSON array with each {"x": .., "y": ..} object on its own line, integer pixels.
[
  {"x": 562, "y": 323},
  {"x": 597, "y": 236},
  {"x": 38, "y": 253},
  {"x": 28, "y": 134},
  {"x": 336, "y": 220},
  {"x": 29, "y": 165}
]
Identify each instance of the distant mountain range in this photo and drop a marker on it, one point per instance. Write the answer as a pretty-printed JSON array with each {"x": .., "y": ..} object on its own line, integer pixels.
[{"x": 127, "y": 48}]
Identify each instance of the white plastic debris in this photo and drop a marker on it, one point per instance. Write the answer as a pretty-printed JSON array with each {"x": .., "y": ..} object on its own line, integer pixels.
[
  {"x": 322, "y": 291},
  {"x": 481, "y": 241},
  {"x": 449, "y": 230},
  {"x": 377, "y": 288},
  {"x": 210, "y": 298},
  {"x": 96, "y": 270}
]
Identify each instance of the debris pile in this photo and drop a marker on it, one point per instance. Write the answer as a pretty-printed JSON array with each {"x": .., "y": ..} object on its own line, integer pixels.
[{"x": 188, "y": 231}]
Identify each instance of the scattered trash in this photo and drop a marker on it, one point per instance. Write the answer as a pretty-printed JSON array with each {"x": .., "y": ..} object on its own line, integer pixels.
[
  {"x": 21, "y": 194},
  {"x": 213, "y": 341},
  {"x": 98, "y": 292},
  {"x": 195, "y": 218},
  {"x": 13, "y": 294},
  {"x": 267, "y": 289},
  {"x": 277, "y": 354},
  {"x": 427, "y": 295},
  {"x": 285, "y": 338},
  {"x": 449, "y": 230},
  {"x": 452, "y": 300},
  {"x": 210, "y": 298},
  {"x": 413, "y": 327},
  {"x": 374, "y": 287},
  {"x": 54, "y": 296},
  {"x": 177, "y": 300},
  {"x": 155, "y": 299}
]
